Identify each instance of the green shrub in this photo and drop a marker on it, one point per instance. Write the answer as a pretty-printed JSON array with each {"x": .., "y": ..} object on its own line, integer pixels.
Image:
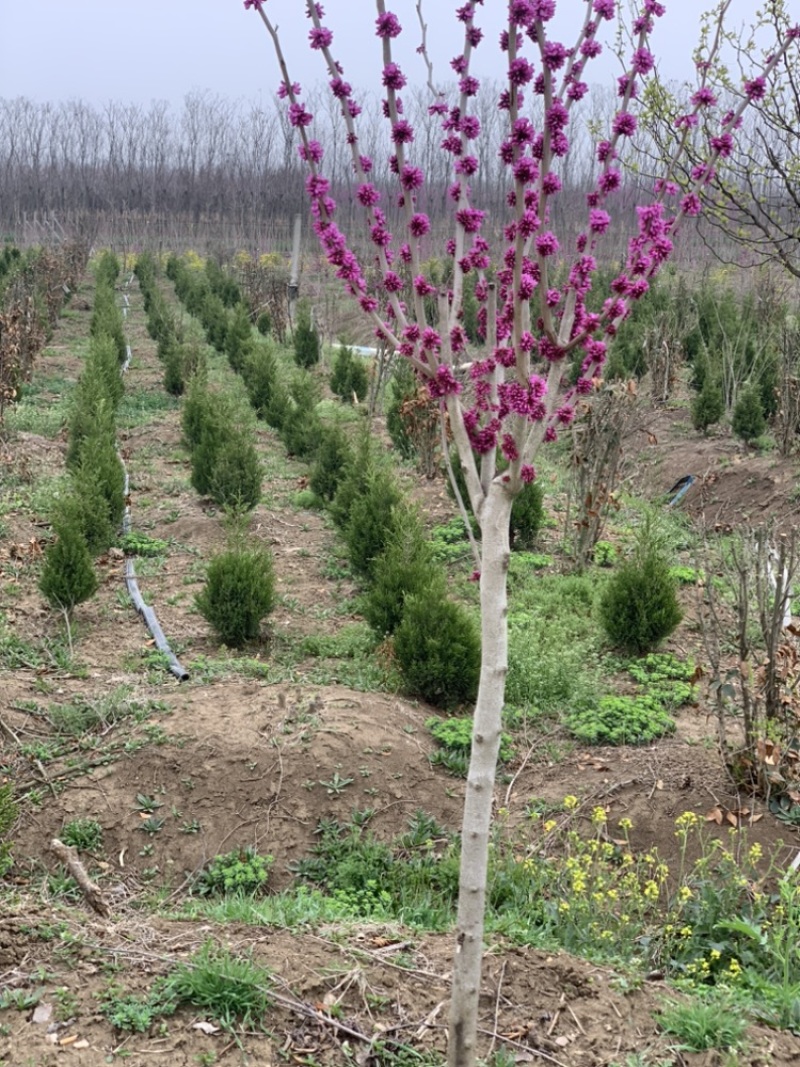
[
  {"x": 196, "y": 406},
  {"x": 230, "y": 989},
  {"x": 405, "y": 568},
  {"x": 91, "y": 411},
  {"x": 604, "y": 554},
  {"x": 334, "y": 455},
  {"x": 301, "y": 429},
  {"x": 242, "y": 871},
  {"x": 621, "y": 720},
  {"x": 214, "y": 318},
  {"x": 354, "y": 483},
  {"x": 237, "y": 474},
  {"x": 68, "y": 577},
  {"x": 265, "y": 389},
  {"x": 264, "y": 323},
  {"x": 748, "y": 416},
  {"x": 639, "y": 607},
  {"x": 239, "y": 338},
  {"x": 87, "y": 507},
  {"x": 306, "y": 342},
  {"x": 218, "y": 431},
  {"x": 102, "y": 360},
  {"x": 349, "y": 377},
  {"x": 102, "y": 462},
  {"x": 438, "y": 649},
  {"x": 172, "y": 356},
  {"x": 403, "y": 387},
  {"x": 709, "y": 405},
  {"x": 239, "y": 593},
  {"x": 372, "y": 520}
]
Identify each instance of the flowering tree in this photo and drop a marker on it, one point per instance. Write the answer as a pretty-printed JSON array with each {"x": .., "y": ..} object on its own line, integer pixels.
[{"x": 511, "y": 396}]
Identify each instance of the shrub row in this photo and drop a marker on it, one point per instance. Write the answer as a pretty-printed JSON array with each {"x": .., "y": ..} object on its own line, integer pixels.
[{"x": 86, "y": 518}]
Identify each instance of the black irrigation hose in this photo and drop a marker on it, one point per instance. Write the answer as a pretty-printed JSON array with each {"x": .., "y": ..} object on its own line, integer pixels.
[{"x": 147, "y": 613}]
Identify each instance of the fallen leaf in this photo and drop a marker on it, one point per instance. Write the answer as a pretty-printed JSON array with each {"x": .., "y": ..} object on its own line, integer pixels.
[
  {"x": 562, "y": 1042},
  {"x": 732, "y": 819},
  {"x": 715, "y": 815}
]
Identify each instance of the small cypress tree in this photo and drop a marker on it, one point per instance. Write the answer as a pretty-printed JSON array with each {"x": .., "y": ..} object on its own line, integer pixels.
[
  {"x": 639, "y": 607},
  {"x": 197, "y": 404},
  {"x": 239, "y": 338},
  {"x": 102, "y": 361},
  {"x": 301, "y": 428},
  {"x": 709, "y": 405},
  {"x": 237, "y": 474},
  {"x": 86, "y": 505},
  {"x": 264, "y": 387},
  {"x": 372, "y": 522},
  {"x": 334, "y": 455},
  {"x": 406, "y": 568},
  {"x": 349, "y": 377},
  {"x": 306, "y": 340},
  {"x": 68, "y": 577},
  {"x": 748, "y": 416},
  {"x": 439, "y": 650},
  {"x": 239, "y": 593}
]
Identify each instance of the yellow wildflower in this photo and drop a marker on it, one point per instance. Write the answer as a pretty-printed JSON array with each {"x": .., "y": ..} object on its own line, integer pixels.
[{"x": 570, "y": 802}]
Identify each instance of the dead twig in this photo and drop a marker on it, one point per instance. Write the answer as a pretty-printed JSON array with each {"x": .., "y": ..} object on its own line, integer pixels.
[{"x": 92, "y": 892}]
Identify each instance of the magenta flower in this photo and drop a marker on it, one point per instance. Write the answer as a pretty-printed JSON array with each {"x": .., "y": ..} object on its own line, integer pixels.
[
  {"x": 604, "y": 8},
  {"x": 599, "y": 220},
  {"x": 402, "y": 132},
  {"x": 704, "y": 97},
  {"x": 367, "y": 194},
  {"x": 609, "y": 181},
  {"x": 555, "y": 55},
  {"x": 419, "y": 225},
  {"x": 298, "y": 116},
  {"x": 470, "y": 218},
  {"x": 469, "y": 86},
  {"x": 690, "y": 205},
  {"x": 285, "y": 90},
  {"x": 624, "y": 124},
  {"x": 527, "y": 473},
  {"x": 320, "y": 37},
  {"x": 387, "y": 25},
  {"x": 755, "y": 89},
  {"x": 253, "y": 3},
  {"x": 722, "y": 144},
  {"x": 520, "y": 72},
  {"x": 591, "y": 48},
  {"x": 547, "y": 244},
  {"x": 310, "y": 153},
  {"x": 393, "y": 77}
]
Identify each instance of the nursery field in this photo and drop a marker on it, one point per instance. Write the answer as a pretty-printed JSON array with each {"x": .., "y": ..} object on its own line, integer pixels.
[{"x": 269, "y": 845}]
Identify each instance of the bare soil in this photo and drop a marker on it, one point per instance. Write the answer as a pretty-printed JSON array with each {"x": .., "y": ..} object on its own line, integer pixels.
[{"x": 257, "y": 756}]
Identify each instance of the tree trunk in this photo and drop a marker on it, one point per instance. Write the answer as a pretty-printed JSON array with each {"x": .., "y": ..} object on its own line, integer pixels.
[{"x": 487, "y": 727}]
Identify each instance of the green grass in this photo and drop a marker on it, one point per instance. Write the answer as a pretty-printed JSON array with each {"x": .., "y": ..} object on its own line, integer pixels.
[{"x": 141, "y": 406}]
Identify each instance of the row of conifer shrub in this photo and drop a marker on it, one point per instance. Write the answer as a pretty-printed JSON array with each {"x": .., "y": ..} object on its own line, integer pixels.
[
  {"x": 87, "y": 516},
  {"x": 435, "y": 640}
]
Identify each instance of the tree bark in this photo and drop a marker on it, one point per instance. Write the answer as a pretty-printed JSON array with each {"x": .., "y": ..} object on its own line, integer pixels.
[{"x": 487, "y": 728}]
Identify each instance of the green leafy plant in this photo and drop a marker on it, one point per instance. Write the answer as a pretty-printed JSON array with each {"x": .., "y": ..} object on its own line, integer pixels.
[
  {"x": 620, "y": 720},
  {"x": 8, "y": 816},
  {"x": 405, "y": 568},
  {"x": 85, "y": 834},
  {"x": 243, "y": 870},
  {"x": 454, "y": 738},
  {"x": 704, "y": 1024},
  {"x": 307, "y": 349},
  {"x": 605, "y": 554},
  {"x": 708, "y": 406},
  {"x": 237, "y": 474},
  {"x": 136, "y": 543},
  {"x": 231, "y": 989},
  {"x": 748, "y": 420}
]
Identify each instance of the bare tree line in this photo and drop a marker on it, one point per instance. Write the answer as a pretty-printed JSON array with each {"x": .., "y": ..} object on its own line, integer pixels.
[{"x": 225, "y": 173}]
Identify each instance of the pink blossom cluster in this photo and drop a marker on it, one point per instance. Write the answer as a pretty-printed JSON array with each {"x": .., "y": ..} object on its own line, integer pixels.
[{"x": 538, "y": 323}]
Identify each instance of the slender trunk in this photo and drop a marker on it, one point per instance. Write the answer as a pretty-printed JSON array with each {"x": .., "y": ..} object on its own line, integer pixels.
[{"x": 487, "y": 728}]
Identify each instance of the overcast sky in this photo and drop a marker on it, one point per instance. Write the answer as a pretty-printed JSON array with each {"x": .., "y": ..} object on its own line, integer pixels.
[{"x": 161, "y": 49}]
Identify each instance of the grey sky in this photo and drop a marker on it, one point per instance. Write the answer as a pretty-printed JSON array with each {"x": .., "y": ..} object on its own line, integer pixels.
[{"x": 161, "y": 49}]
